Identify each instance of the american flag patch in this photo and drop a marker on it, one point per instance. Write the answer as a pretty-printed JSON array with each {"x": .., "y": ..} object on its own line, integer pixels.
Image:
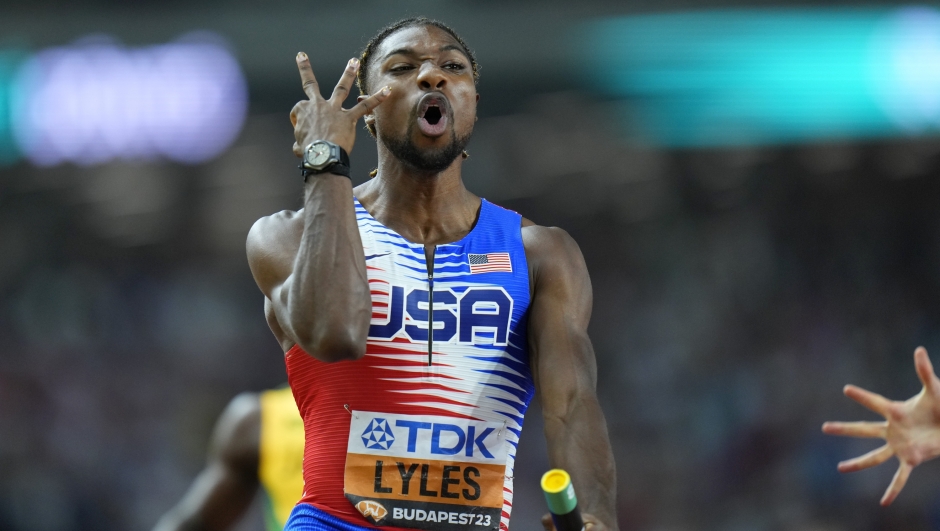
[{"x": 490, "y": 263}]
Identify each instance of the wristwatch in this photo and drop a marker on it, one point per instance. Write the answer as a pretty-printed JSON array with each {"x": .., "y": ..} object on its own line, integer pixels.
[{"x": 321, "y": 156}]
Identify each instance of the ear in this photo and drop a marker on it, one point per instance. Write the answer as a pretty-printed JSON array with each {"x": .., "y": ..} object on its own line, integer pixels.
[{"x": 368, "y": 118}]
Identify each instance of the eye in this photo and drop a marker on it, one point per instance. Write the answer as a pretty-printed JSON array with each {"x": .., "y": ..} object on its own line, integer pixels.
[
  {"x": 456, "y": 67},
  {"x": 400, "y": 68}
]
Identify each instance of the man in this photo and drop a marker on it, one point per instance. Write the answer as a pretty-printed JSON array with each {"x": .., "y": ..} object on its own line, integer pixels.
[
  {"x": 417, "y": 319},
  {"x": 258, "y": 439},
  {"x": 911, "y": 429}
]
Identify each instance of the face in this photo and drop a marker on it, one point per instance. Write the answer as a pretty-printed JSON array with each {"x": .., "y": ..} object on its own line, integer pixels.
[{"x": 427, "y": 119}]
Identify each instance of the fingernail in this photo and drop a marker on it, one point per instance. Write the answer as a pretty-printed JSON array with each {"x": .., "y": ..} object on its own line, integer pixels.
[
  {"x": 354, "y": 62},
  {"x": 301, "y": 56},
  {"x": 386, "y": 91}
]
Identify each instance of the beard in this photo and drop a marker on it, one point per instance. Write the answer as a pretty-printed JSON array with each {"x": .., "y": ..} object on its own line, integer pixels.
[{"x": 427, "y": 161}]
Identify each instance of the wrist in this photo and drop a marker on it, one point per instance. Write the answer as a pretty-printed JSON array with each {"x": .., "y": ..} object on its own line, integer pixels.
[
  {"x": 327, "y": 181},
  {"x": 334, "y": 189},
  {"x": 323, "y": 156},
  {"x": 326, "y": 177},
  {"x": 336, "y": 171}
]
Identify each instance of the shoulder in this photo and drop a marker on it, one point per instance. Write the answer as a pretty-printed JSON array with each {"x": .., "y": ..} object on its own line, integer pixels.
[
  {"x": 272, "y": 244},
  {"x": 547, "y": 245},
  {"x": 237, "y": 433},
  {"x": 540, "y": 239},
  {"x": 277, "y": 229},
  {"x": 555, "y": 260}
]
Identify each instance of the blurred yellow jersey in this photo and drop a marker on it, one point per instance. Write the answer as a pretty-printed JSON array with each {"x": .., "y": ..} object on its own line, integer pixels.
[{"x": 281, "y": 456}]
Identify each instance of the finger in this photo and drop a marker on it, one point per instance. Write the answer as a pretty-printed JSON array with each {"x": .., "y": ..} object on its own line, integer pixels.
[
  {"x": 294, "y": 112},
  {"x": 872, "y": 458},
  {"x": 925, "y": 369},
  {"x": 872, "y": 401},
  {"x": 311, "y": 89},
  {"x": 345, "y": 82},
  {"x": 590, "y": 521},
  {"x": 900, "y": 479},
  {"x": 365, "y": 106},
  {"x": 547, "y": 522},
  {"x": 856, "y": 429}
]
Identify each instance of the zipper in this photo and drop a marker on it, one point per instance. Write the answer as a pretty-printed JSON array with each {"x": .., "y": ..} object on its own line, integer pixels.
[{"x": 430, "y": 267}]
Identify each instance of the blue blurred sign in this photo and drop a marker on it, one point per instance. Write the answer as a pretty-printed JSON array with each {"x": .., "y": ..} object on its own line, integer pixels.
[
  {"x": 9, "y": 61},
  {"x": 731, "y": 77}
]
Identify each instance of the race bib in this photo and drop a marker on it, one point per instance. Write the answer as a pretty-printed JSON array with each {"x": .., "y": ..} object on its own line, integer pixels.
[{"x": 426, "y": 472}]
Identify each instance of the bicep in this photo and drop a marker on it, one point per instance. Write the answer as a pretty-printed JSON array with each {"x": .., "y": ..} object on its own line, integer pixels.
[
  {"x": 272, "y": 246},
  {"x": 561, "y": 353}
]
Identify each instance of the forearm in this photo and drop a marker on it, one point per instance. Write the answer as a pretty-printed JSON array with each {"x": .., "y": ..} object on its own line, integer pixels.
[
  {"x": 578, "y": 442},
  {"x": 215, "y": 500},
  {"x": 327, "y": 300}
]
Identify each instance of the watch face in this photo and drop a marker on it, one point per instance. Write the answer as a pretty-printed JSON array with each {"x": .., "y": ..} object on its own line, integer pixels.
[{"x": 318, "y": 153}]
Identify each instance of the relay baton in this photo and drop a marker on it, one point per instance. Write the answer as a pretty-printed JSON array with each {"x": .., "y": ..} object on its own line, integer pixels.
[{"x": 562, "y": 503}]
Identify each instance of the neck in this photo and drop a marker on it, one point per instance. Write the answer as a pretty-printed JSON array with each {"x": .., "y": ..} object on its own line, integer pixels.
[{"x": 429, "y": 208}]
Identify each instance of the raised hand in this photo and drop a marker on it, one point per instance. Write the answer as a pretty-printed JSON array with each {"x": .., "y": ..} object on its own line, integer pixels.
[
  {"x": 911, "y": 429},
  {"x": 317, "y": 118}
]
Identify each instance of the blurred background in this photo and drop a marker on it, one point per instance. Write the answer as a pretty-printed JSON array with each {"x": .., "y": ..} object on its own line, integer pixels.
[{"x": 754, "y": 187}]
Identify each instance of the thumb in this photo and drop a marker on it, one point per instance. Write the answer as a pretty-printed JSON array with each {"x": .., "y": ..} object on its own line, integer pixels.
[
  {"x": 925, "y": 370},
  {"x": 547, "y": 522}
]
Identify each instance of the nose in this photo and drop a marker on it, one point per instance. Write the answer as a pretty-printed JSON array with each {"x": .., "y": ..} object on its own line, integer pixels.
[{"x": 431, "y": 77}]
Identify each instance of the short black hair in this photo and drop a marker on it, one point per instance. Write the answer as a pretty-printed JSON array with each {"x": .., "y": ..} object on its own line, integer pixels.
[{"x": 362, "y": 79}]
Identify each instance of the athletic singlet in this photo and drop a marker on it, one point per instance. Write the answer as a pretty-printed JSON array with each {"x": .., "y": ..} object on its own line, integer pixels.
[
  {"x": 393, "y": 441},
  {"x": 280, "y": 456}
]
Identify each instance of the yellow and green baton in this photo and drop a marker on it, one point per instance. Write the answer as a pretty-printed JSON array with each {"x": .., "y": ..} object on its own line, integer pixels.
[{"x": 562, "y": 503}]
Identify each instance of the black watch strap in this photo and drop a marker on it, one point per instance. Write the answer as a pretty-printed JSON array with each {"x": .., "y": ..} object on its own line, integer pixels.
[{"x": 337, "y": 168}]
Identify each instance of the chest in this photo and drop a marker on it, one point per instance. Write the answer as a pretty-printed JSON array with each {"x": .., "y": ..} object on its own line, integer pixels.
[{"x": 448, "y": 296}]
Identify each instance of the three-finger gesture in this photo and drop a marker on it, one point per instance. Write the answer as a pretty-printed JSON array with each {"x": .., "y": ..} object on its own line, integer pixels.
[
  {"x": 317, "y": 118},
  {"x": 911, "y": 429}
]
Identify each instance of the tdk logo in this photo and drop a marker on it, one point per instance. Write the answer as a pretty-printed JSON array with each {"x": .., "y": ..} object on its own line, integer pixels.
[
  {"x": 446, "y": 439},
  {"x": 479, "y": 315},
  {"x": 436, "y": 438}
]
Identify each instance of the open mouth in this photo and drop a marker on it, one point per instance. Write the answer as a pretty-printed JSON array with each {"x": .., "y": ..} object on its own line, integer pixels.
[{"x": 432, "y": 115}]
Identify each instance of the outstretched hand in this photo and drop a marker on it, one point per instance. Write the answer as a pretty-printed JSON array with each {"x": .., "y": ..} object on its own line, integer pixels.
[
  {"x": 911, "y": 428},
  {"x": 317, "y": 118}
]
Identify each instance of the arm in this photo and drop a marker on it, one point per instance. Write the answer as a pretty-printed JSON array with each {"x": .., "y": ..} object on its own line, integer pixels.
[
  {"x": 225, "y": 488},
  {"x": 318, "y": 287},
  {"x": 565, "y": 373},
  {"x": 911, "y": 430}
]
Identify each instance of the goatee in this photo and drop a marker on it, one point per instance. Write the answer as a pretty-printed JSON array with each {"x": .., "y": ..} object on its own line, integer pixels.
[{"x": 429, "y": 160}]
